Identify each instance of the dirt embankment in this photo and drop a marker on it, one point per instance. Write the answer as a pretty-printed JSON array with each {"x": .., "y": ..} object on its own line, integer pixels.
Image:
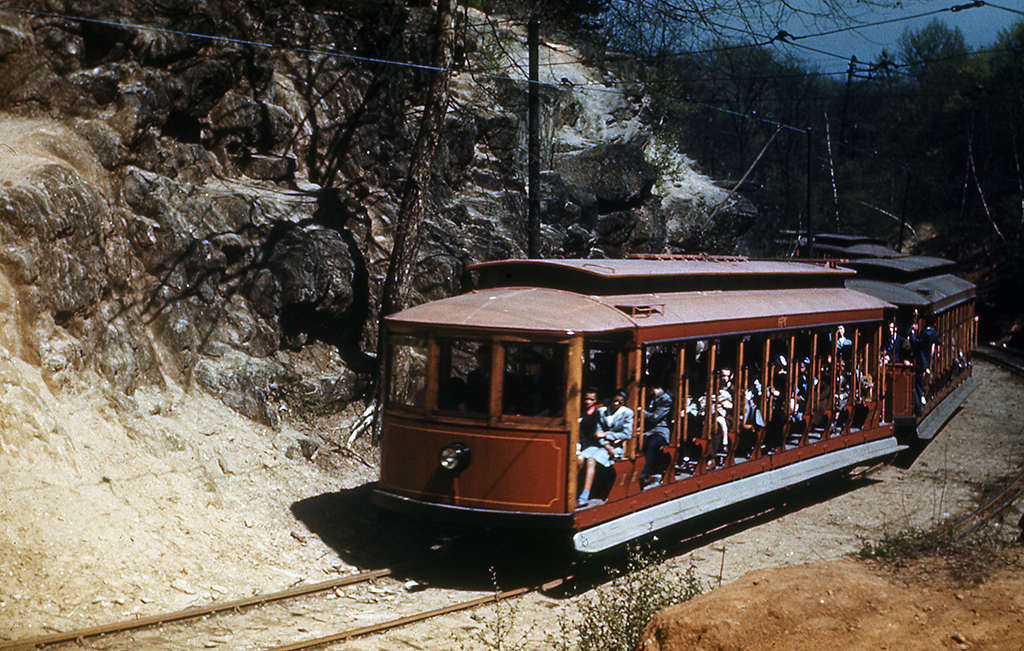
[{"x": 849, "y": 605}]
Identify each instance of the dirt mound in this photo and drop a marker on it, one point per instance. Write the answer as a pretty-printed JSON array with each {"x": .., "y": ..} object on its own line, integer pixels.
[{"x": 849, "y": 605}]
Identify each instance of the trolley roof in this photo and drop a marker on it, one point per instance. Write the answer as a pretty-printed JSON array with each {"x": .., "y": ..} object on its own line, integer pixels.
[
  {"x": 937, "y": 294},
  {"x": 943, "y": 291},
  {"x": 852, "y": 246},
  {"x": 843, "y": 239},
  {"x": 657, "y": 274},
  {"x": 859, "y": 250},
  {"x": 653, "y": 316},
  {"x": 889, "y": 292},
  {"x": 900, "y": 270}
]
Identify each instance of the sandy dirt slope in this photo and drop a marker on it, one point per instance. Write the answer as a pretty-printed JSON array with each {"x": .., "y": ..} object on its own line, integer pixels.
[{"x": 107, "y": 514}]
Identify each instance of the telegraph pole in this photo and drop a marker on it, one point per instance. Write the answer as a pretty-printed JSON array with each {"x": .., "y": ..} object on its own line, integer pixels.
[{"x": 810, "y": 193}]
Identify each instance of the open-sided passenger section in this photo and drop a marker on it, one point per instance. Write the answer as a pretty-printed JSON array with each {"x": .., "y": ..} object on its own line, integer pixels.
[{"x": 740, "y": 397}]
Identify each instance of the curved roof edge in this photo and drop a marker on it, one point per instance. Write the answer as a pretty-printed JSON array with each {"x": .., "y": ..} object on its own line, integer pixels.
[
  {"x": 551, "y": 311},
  {"x": 938, "y": 293},
  {"x": 889, "y": 292},
  {"x": 657, "y": 274}
]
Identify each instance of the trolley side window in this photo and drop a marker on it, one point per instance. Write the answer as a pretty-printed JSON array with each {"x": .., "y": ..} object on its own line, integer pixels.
[
  {"x": 464, "y": 375},
  {"x": 407, "y": 371},
  {"x": 535, "y": 380},
  {"x": 601, "y": 370}
]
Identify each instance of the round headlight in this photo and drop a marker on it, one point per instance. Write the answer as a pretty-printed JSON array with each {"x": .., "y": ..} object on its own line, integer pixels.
[{"x": 454, "y": 457}]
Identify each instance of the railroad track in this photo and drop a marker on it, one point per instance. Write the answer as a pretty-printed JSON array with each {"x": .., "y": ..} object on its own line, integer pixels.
[
  {"x": 418, "y": 617},
  {"x": 1006, "y": 496},
  {"x": 1004, "y": 357},
  {"x": 127, "y": 626},
  {"x": 1014, "y": 362},
  {"x": 124, "y": 626}
]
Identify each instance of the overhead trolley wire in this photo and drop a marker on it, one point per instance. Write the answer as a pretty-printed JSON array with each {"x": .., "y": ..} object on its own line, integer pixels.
[
  {"x": 224, "y": 39},
  {"x": 782, "y": 36},
  {"x": 763, "y": 40},
  {"x": 1012, "y": 11}
]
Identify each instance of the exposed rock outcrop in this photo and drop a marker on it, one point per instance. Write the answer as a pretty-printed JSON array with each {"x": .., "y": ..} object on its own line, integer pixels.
[{"x": 202, "y": 194}]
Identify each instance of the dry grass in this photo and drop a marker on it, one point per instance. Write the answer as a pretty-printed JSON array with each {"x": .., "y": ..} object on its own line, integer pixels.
[{"x": 967, "y": 560}]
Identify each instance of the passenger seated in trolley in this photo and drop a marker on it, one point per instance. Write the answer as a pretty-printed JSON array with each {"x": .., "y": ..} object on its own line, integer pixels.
[
  {"x": 752, "y": 399},
  {"x": 804, "y": 384},
  {"x": 928, "y": 345},
  {"x": 604, "y": 445},
  {"x": 693, "y": 414},
  {"x": 778, "y": 404},
  {"x": 723, "y": 411},
  {"x": 752, "y": 421},
  {"x": 657, "y": 418},
  {"x": 845, "y": 384},
  {"x": 921, "y": 344},
  {"x": 843, "y": 364},
  {"x": 843, "y": 345},
  {"x": 866, "y": 380}
]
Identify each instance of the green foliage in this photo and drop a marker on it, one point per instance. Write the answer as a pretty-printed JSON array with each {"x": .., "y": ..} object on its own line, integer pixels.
[
  {"x": 930, "y": 134},
  {"x": 611, "y": 618},
  {"x": 666, "y": 157},
  {"x": 502, "y": 630},
  {"x": 933, "y": 51},
  {"x": 906, "y": 545},
  {"x": 614, "y": 616}
]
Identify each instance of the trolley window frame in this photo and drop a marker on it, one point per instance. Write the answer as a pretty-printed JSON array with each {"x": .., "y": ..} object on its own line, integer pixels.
[{"x": 500, "y": 342}]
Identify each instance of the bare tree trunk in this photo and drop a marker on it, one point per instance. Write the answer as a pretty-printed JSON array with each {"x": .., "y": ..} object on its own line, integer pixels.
[
  {"x": 405, "y": 250},
  {"x": 418, "y": 184}
]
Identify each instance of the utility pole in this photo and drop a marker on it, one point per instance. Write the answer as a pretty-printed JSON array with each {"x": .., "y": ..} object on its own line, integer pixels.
[
  {"x": 903, "y": 213},
  {"x": 810, "y": 193},
  {"x": 533, "y": 148},
  {"x": 843, "y": 131}
]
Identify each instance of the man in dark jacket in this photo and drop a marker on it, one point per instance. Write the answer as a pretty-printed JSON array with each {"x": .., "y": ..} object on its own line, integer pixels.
[{"x": 657, "y": 420}]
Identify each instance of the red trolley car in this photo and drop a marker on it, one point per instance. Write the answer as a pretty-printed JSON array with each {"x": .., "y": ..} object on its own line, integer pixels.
[{"x": 774, "y": 373}]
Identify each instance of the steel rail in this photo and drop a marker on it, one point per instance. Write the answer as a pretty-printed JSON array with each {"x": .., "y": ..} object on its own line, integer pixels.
[
  {"x": 1006, "y": 358},
  {"x": 1012, "y": 361},
  {"x": 189, "y": 613},
  {"x": 1006, "y": 496},
  {"x": 410, "y": 619}
]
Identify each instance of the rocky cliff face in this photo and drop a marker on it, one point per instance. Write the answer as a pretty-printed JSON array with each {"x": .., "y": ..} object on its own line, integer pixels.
[{"x": 202, "y": 194}]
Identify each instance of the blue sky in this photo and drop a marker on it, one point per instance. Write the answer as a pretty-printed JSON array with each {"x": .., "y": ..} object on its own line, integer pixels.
[{"x": 980, "y": 27}]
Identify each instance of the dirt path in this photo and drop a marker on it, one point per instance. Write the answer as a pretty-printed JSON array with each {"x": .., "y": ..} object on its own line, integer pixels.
[{"x": 105, "y": 517}]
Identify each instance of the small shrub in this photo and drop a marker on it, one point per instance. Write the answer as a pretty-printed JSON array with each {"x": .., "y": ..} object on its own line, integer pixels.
[
  {"x": 665, "y": 157},
  {"x": 501, "y": 631},
  {"x": 967, "y": 560},
  {"x": 897, "y": 548},
  {"x": 614, "y": 616}
]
